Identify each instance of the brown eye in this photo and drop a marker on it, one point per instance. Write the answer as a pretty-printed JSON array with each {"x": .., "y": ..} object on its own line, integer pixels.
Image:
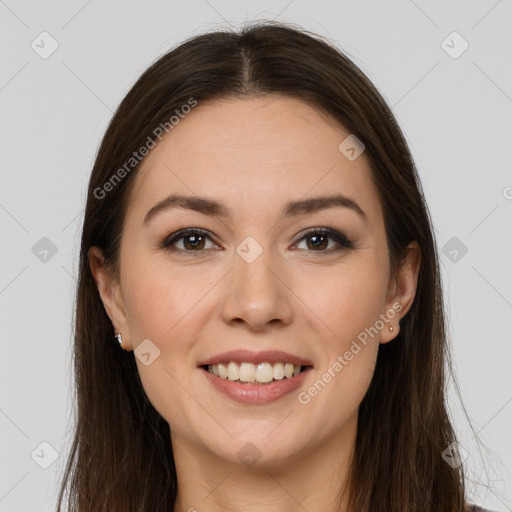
[
  {"x": 195, "y": 240},
  {"x": 191, "y": 240},
  {"x": 317, "y": 240}
]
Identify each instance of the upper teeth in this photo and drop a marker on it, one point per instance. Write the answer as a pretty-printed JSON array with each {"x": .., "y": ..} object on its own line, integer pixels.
[{"x": 248, "y": 372}]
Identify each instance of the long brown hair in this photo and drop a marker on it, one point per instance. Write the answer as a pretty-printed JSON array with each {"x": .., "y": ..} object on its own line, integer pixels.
[{"x": 121, "y": 458}]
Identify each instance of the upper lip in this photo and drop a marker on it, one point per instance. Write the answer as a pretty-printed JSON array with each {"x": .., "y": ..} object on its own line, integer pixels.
[{"x": 265, "y": 356}]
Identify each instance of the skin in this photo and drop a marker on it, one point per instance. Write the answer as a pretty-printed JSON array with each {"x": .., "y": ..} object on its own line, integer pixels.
[{"x": 254, "y": 155}]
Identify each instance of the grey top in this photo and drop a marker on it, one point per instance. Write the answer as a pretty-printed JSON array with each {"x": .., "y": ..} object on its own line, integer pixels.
[{"x": 474, "y": 508}]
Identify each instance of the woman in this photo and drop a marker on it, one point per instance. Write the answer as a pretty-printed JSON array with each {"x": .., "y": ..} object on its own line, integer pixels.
[{"x": 259, "y": 317}]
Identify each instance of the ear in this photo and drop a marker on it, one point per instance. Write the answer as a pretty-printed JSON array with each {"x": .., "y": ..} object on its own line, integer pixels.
[
  {"x": 110, "y": 293},
  {"x": 402, "y": 291}
]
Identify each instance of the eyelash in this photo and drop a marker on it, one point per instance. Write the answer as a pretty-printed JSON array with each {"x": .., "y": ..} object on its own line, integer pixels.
[{"x": 340, "y": 238}]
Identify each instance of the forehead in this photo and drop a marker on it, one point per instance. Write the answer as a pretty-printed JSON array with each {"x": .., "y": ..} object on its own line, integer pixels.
[{"x": 253, "y": 153}]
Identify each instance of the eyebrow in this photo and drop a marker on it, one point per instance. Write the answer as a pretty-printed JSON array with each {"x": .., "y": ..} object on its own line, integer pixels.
[{"x": 293, "y": 208}]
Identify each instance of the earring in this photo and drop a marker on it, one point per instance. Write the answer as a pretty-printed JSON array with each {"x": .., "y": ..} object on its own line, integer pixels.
[
  {"x": 390, "y": 328},
  {"x": 119, "y": 338}
]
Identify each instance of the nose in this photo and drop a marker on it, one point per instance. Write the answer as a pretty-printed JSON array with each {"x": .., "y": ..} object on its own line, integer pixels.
[{"x": 257, "y": 294}]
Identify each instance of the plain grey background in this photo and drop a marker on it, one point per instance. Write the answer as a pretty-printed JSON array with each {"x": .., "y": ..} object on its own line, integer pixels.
[{"x": 453, "y": 103}]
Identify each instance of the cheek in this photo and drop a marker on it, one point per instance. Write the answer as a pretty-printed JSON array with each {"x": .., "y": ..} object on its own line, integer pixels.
[
  {"x": 345, "y": 307},
  {"x": 160, "y": 300},
  {"x": 350, "y": 304},
  {"x": 346, "y": 302},
  {"x": 166, "y": 308}
]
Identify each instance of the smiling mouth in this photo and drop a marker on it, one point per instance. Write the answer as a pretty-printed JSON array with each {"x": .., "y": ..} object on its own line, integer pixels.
[{"x": 249, "y": 373}]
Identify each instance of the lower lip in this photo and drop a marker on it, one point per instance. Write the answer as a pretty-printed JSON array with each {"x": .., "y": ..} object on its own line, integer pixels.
[{"x": 256, "y": 394}]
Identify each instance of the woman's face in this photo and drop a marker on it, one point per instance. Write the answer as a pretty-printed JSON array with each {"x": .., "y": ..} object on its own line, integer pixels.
[{"x": 253, "y": 176}]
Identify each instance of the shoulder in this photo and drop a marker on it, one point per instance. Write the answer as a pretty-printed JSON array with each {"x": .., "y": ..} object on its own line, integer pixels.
[{"x": 474, "y": 508}]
